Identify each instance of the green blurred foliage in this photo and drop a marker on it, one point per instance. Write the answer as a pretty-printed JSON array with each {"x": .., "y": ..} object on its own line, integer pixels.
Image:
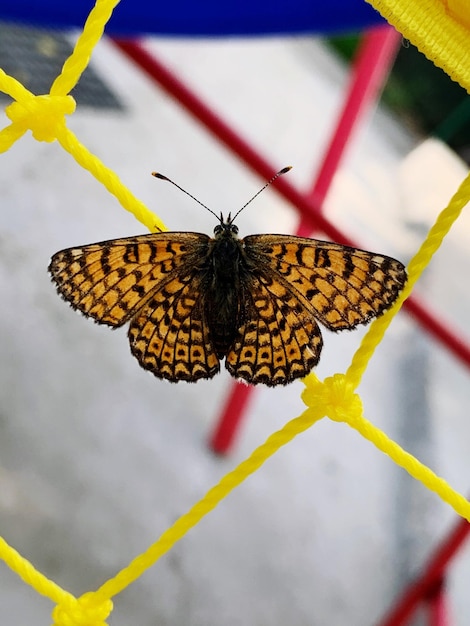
[{"x": 422, "y": 95}]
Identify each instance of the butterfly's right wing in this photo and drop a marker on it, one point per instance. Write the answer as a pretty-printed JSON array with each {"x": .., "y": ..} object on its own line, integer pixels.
[
  {"x": 294, "y": 281},
  {"x": 152, "y": 281}
]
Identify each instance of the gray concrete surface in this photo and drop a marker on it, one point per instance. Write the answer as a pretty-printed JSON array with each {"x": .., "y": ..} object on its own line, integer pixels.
[{"x": 97, "y": 457}]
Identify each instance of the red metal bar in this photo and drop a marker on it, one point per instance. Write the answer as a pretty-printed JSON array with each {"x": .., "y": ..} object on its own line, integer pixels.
[
  {"x": 437, "y": 607},
  {"x": 230, "y": 418},
  {"x": 432, "y": 575},
  {"x": 369, "y": 71}
]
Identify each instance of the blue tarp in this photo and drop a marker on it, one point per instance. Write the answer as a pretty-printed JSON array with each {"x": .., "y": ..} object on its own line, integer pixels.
[{"x": 195, "y": 18}]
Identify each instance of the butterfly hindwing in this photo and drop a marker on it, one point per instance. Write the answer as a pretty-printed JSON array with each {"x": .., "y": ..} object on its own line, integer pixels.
[
  {"x": 170, "y": 337},
  {"x": 341, "y": 286},
  {"x": 279, "y": 339}
]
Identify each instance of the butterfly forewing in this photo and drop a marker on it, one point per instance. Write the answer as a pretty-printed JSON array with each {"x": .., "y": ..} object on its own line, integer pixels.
[
  {"x": 110, "y": 281},
  {"x": 340, "y": 286}
]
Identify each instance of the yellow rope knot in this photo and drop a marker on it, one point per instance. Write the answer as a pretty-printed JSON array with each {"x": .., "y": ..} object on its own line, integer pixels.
[
  {"x": 334, "y": 397},
  {"x": 88, "y": 610},
  {"x": 44, "y": 115}
]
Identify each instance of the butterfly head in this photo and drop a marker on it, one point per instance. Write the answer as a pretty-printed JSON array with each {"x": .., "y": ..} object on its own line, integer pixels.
[{"x": 226, "y": 228}]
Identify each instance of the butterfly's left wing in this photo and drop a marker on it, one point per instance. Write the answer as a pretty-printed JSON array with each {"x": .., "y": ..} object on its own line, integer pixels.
[
  {"x": 111, "y": 280},
  {"x": 340, "y": 286}
]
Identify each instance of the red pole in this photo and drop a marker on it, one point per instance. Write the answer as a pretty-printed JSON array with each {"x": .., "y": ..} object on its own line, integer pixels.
[
  {"x": 230, "y": 418},
  {"x": 373, "y": 60},
  {"x": 432, "y": 575},
  {"x": 437, "y": 606}
]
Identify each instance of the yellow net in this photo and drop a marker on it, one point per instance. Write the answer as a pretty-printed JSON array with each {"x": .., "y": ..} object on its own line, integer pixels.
[
  {"x": 442, "y": 33},
  {"x": 439, "y": 28}
]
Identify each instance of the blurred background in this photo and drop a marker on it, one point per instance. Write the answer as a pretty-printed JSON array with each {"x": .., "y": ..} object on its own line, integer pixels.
[{"x": 98, "y": 457}]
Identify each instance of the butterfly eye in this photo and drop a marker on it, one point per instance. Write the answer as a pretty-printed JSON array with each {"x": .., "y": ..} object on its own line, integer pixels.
[
  {"x": 234, "y": 229},
  {"x": 218, "y": 229}
]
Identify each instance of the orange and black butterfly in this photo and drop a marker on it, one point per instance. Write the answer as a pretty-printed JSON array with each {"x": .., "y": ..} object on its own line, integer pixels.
[{"x": 192, "y": 300}]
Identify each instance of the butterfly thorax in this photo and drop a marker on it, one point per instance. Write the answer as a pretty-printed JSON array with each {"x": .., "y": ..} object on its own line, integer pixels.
[{"x": 225, "y": 268}]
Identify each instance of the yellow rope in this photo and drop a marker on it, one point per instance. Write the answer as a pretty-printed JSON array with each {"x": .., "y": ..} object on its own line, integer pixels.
[
  {"x": 90, "y": 36},
  {"x": 45, "y": 115},
  {"x": 415, "y": 268},
  {"x": 439, "y": 28},
  {"x": 110, "y": 180},
  {"x": 212, "y": 498},
  {"x": 336, "y": 397},
  {"x": 31, "y": 575}
]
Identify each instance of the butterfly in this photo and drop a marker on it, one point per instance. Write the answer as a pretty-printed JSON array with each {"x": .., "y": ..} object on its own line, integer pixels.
[{"x": 192, "y": 300}]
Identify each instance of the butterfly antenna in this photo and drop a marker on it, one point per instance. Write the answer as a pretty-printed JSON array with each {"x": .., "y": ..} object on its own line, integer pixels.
[
  {"x": 162, "y": 177},
  {"x": 271, "y": 180}
]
